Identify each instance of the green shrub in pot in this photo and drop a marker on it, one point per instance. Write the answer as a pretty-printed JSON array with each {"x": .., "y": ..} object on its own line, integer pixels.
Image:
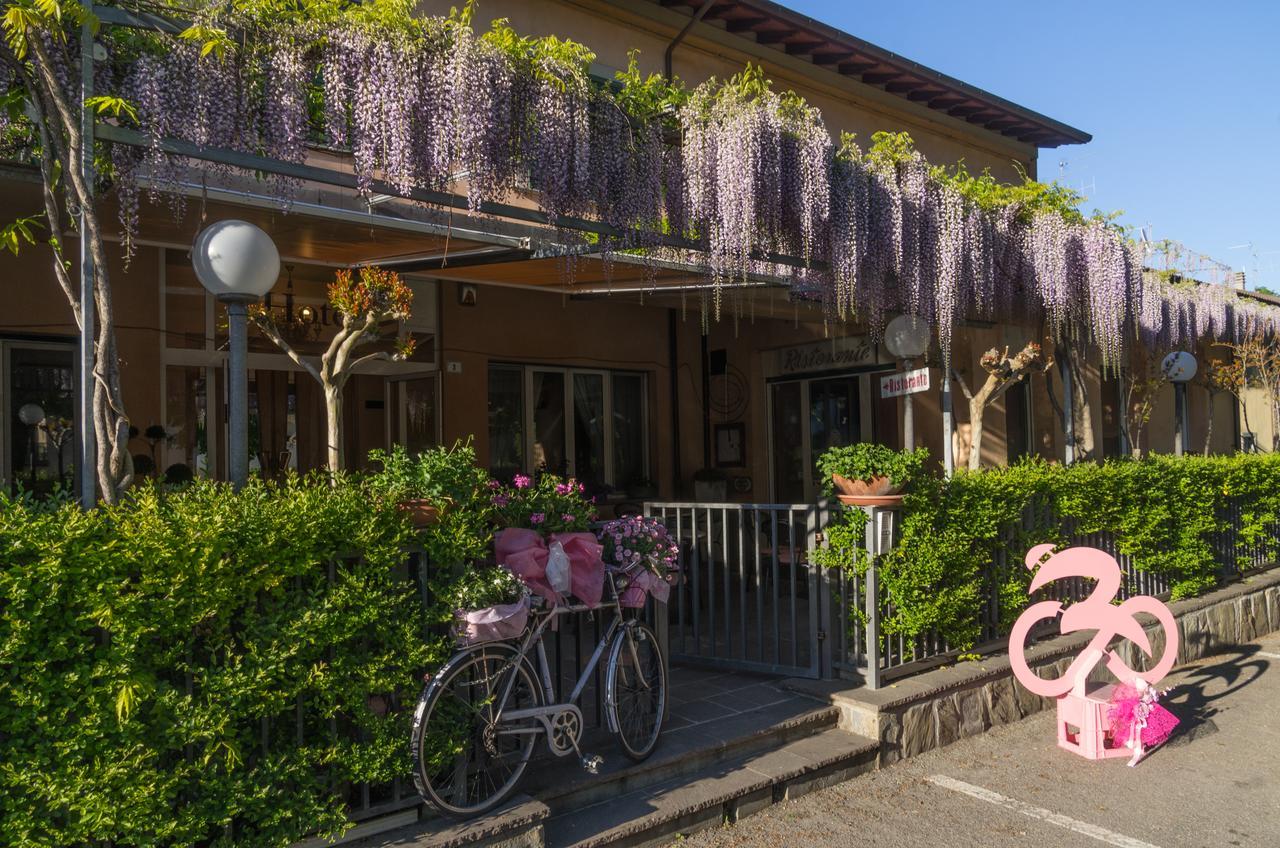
[{"x": 868, "y": 462}]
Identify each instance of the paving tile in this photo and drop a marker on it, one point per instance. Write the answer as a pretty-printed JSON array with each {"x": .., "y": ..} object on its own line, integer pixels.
[{"x": 699, "y": 711}]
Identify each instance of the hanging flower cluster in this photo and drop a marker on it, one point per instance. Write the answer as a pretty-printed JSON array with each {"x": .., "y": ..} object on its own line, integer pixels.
[{"x": 754, "y": 184}]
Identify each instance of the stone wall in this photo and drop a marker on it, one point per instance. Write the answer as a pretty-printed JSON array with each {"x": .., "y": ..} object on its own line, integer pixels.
[{"x": 937, "y": 708}]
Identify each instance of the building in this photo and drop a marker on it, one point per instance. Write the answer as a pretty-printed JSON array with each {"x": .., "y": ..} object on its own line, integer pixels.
[{"x": 615, "y": 383}]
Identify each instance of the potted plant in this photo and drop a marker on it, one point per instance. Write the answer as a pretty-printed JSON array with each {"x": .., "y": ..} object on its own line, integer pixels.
[
  {"x": 424, "y": 485},
  {"x": 640, "y": 547},
  {"x": 868, "y": 474},
  {"x": 489, "y": 603}
]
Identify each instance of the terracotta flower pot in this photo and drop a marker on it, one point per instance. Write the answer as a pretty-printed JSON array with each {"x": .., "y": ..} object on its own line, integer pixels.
[
  {"x": 878, "y": 491},
  {"x": 422, "y": 512}
]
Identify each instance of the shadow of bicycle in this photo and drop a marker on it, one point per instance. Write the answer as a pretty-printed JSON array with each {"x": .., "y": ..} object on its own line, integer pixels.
[{"x": 1195, "y": 698}]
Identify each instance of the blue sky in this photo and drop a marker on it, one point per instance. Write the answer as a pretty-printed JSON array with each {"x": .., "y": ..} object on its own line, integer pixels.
[{"x": 1182, "y": 99}]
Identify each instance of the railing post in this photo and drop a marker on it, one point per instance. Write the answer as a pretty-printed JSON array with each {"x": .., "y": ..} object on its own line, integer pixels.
[
  {"x": 814, "y": 524},
  {"x": 881, "y": 526}
]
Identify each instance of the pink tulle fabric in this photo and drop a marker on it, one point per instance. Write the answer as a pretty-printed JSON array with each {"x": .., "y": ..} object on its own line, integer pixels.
[
  {"x": 525, "y": 552},
  {"x": 1133, "y": 709}
]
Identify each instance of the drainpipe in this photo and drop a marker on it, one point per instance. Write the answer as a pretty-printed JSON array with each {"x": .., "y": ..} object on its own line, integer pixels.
[
  {"x": 673, "y": 365},
  {"x": 675, "y": 42}
]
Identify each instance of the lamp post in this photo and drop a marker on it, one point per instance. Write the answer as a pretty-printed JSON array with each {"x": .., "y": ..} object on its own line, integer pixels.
[
  {"x": 907, "y": 337},
  {"x": 238, "y": 264},
  {"x": 31, "y": 415},
  {"x": 1180, "y": 367}
]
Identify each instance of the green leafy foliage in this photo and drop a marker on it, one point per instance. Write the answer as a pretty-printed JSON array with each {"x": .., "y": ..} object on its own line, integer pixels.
[
  {"x": 486, "y": 587},
  {"x": 19, "y": 230},
  {"x": 159, "y": 657},
  {"x": 451, "y": 478},
  {"x": 1163, "y": 513},
  {"x": 867, "y": 460},
  {"x": 1026, "y": 198}
]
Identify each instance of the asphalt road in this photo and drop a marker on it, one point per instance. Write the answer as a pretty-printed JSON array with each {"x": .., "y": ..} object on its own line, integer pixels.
[{"x": 1215, "y": 784}]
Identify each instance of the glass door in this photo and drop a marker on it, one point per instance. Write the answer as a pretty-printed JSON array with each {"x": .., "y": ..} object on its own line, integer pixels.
[
  {"x": 807, "y": 417},
  {"x": 415, "y": 406},
  {"x": 548, "y": 429},
  {"x": 37, "y": 400},
  {"x": 833, "y": 415}
]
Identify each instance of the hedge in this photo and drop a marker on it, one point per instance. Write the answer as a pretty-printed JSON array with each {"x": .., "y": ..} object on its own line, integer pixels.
[
  {"x": 1162, "y": 512},
  {"x": 146, "y": 647}
]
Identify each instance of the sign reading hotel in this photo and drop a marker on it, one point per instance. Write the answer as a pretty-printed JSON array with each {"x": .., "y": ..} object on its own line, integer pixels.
[
  {"x": 830, "y": 355},
  {"x": 905, "y": 383}
]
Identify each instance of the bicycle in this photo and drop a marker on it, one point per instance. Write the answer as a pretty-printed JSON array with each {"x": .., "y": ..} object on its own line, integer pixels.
[{"x": 480, "y": 716}]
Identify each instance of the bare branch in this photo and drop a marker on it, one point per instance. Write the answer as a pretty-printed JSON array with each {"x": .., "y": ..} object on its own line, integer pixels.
[{"x": 268, "y": 328}]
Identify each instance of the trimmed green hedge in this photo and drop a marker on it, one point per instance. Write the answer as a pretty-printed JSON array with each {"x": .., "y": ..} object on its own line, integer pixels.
[
  {"x": 145, "y": 647},
  {"x": 1161, "y": 511}
]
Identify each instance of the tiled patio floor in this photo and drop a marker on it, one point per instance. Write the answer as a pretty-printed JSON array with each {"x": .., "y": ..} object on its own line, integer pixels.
[{"x": 699, "y": 696}]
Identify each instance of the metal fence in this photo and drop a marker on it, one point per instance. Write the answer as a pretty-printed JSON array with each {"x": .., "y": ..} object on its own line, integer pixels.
[
  {"x": 752, "y": 599},
  {"x": 865, "y": 653}
]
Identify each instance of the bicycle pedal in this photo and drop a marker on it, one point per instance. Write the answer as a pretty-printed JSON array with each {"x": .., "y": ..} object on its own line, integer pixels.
[{"x": 591, "y": 763}]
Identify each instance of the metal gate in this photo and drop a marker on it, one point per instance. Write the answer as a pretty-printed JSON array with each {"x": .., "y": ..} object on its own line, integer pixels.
[{"x": 750, "y": 598}]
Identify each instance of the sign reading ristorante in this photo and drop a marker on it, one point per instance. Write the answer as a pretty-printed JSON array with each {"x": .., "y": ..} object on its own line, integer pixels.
[{"x": 827, "y": 355}]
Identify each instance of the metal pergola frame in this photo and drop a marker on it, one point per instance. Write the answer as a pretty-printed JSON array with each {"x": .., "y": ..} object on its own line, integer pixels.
[{"x": 536, "y": 228}]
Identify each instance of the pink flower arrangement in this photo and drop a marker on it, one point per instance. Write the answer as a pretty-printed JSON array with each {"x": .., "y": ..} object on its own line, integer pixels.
[
  {"x": 640, "y": 542},
  {"x": 548, "y": 504}
]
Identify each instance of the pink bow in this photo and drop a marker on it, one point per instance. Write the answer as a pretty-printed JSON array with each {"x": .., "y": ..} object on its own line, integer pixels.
[
  {"x": 656, "y": 586},
  {"x": 525, "y": 553}
]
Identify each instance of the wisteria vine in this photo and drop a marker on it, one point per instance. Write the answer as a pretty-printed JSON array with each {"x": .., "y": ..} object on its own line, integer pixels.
[{"x": 733, "y": 167}]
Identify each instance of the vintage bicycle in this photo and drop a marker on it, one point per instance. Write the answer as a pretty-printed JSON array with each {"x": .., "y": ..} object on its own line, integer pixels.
[{"x": 480, "y": 716}]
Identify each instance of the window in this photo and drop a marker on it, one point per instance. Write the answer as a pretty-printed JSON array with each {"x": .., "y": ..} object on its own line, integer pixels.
[
  {"x": 506, "y": 420},
  {"x": 588, "y": 424},
  {"x": 1017, "y": 412}
]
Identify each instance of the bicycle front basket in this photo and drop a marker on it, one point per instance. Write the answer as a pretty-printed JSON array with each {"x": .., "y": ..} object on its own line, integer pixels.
[{"x": 491, "y": 624}]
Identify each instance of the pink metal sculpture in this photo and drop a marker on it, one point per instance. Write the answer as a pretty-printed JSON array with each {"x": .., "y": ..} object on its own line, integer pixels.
[{"x": 1127, "y": 717}]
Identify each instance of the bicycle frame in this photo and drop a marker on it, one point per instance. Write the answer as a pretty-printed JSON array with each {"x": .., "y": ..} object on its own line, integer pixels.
[{"x": 532, "y": 640}]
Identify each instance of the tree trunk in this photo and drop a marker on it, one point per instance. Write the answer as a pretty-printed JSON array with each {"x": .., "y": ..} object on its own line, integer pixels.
[
  {"x": 1081, "y": 411},
  {"x": 976, "y": 410},
  {"x": 1208, "y": 430},
  {"x": 333, "y": 418}
]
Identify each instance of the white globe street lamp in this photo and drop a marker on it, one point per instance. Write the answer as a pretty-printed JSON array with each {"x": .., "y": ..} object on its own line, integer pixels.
[
  {"x": 238, "y": 264},
  {"x": 1180, "y": 368},
  {"x": 907, "y": 337}
]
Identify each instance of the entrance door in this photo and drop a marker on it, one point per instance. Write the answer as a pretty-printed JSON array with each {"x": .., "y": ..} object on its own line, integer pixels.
[
  {"x": 414, "y": 420},
  {"x": 37, "y": 411},
  {"x": 806, "y": 418}
]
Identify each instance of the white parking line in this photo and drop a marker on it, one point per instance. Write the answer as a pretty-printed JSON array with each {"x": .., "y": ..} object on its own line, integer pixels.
[
  {"x": 1091, "y": 830},
  {"x": 1269, "y": 655}
]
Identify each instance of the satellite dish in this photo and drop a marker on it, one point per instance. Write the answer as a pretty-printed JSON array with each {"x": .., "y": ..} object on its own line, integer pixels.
[
  {"x": 907, "y": 336},
  {"x": 1179, "y": 366}
]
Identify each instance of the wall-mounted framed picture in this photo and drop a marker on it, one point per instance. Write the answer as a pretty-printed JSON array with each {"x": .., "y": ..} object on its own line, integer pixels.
[{"x": 731, "y": 445}]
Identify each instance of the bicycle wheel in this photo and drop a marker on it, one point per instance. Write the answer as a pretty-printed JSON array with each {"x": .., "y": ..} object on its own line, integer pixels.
[
  {"x": 636, "y": 689},
  {"x": 465, "y": 763}
]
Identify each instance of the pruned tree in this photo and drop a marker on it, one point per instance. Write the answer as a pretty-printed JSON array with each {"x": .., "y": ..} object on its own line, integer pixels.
[
  {"x": 1223, "y": 377},
  {"x": 1003, "y": 373},
  {"x": 366, "y": 300},
  {"x": 1258, "y": 360},
  {"x": 41, "y": 53},
  {"x": 1141, "y": 391}
]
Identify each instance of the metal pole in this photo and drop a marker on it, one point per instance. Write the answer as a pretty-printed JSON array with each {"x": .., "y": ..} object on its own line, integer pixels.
[
  {"x": 1181, "y": 440},
  {"x": 86, "y": 447},
  {"x": 948, "y": 424},
  {"x": 237, "y": 392},
  {"x": 908, "y": 415}
]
